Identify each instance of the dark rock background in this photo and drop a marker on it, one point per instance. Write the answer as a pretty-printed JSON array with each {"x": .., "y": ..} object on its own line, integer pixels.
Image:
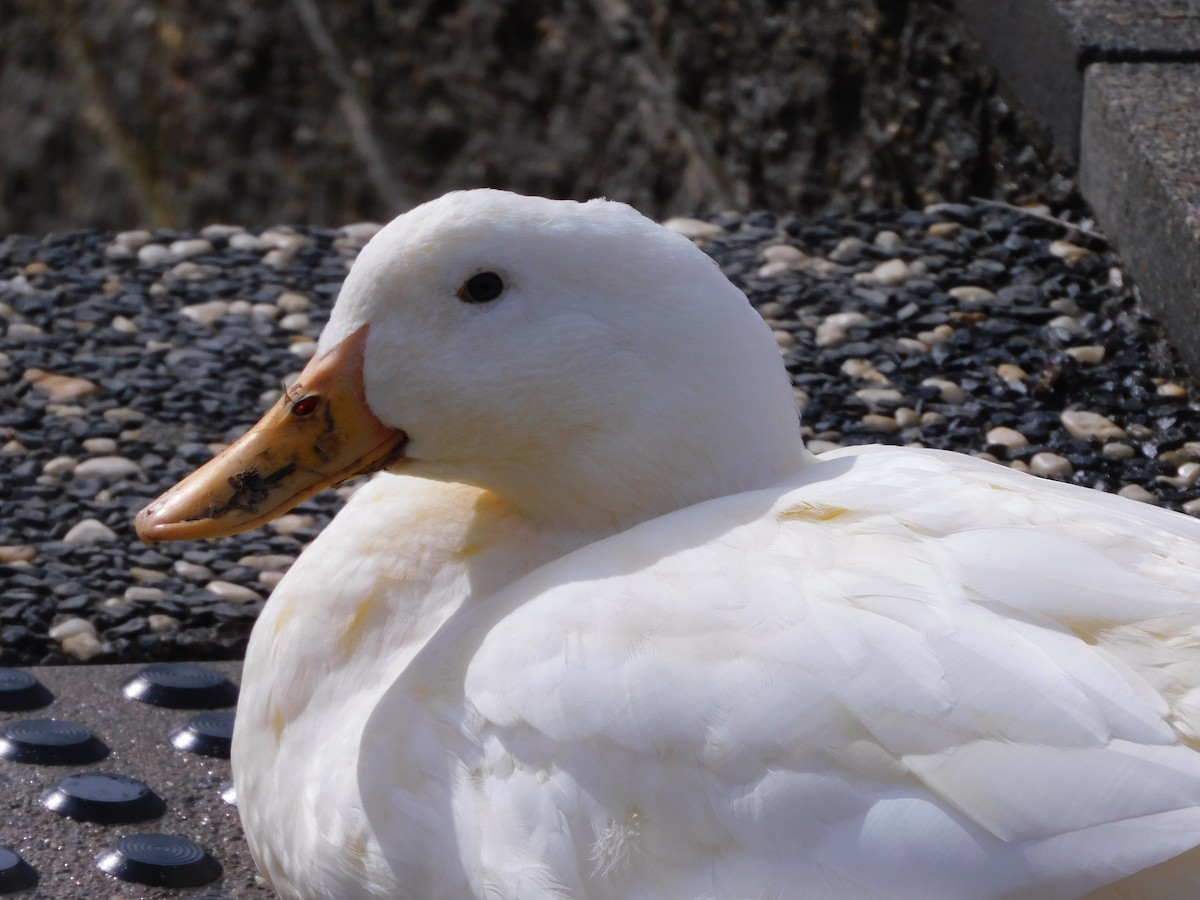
[{"x": 177, "y": 114}]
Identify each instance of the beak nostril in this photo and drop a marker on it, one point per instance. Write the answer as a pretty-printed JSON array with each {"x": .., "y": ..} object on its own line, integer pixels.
[{"x": 305, "y": 406}]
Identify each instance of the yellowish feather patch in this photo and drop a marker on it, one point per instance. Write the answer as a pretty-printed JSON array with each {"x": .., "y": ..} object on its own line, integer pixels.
[
  {"x": 812, "y": 512},
  {"x": 357, "y": 626}
]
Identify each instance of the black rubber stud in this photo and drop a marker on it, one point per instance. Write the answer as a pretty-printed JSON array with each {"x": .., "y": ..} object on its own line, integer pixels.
[
  {"x": 181, "y": 686},
  {"x": 50, "y": 742},
  {"x": 209, "y": 734},
  {"x": 160, "y": 860},
  {"x": 15, "y": 873},
  {"x": 104, "y": 797},
  {"x": 20, "y": 691}
]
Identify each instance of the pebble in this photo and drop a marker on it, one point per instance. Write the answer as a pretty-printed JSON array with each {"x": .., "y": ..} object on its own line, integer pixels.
[
  {"x": 270, "y": 580},
  {"x": 1114, "y": 450},
  {"x": 1050, "y": 465},
  {"x": 293, "y": 302},
  {"x": 1011, "y": 372},
  {"x": 876, "y": 422},
  {"x": 308, "y": 349},
  {"x": 89, "y": 531},
  {"x": 235, "y": 593},
  {"x": 833, "y": 328},
  {"x": 847, "y": 249},
  {"x": 60, "y": 465},
  {"x": 1088, "y": 426},
  {"x": 16, "y": 553},
  {"x": 206, "y": 313},
  {"x": 161, "y": 624},
  {"x": 124, "y": 325},
  {"x": 695, "y": 229},
  {"x": 970, "y": 293},
  {"x": 1192, "y": 507},
  {"x": 134, "y": 240},
  {"x": 290, "y": 523},
  {"x": 107, "y": 467},
  {"x": 890, "y": 273},
  {"x": 295, "y": 322},
  {"x": 784, "y": 339},
  {"x": 153, "y": 254},
  {"x": 888, "y": 241},
  {"x": 1090, "y": 354},
  {"x": 907, "y": 417},
  {"x": 191, "y": 570},
  {"x": 100, "y": 445},
  {"x": 943, "y": 229},
  {"x": 1185, "y": 476},
  {"x": 249, "y": 243},
  {"x": 1068, "y": 252},
  {"x": 1137, "y": 492},
  {"x": 1172, "y": 389},
  {"x": 360, "y": 232},
  {"x": 874, "y": 397},
  {"x": 24, "y": 331},
  {"x": 219, "y": 231},
  {"x": 950, "y": 392},
  {"x": 68, "y": 627},
  {"x": 59, "y": 388},
  {"x": 183, "y": 249},
  {"x": 1007, "y": 437},
  {"x": 784, "y": 253},
  {"x": 147, "y": 576},
  {"x": 83, "y": 647},
  {"x": 190, "y": 271},
  {"x": 1069, "y": 324},
  {"x": 142, "y": 594}
]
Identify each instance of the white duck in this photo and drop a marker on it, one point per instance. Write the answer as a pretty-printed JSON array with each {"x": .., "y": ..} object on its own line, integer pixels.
[{"x": 609, "y": 631}]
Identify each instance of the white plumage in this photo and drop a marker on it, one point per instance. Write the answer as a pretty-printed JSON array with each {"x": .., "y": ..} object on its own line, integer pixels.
[{"x": 609, "y": 632}]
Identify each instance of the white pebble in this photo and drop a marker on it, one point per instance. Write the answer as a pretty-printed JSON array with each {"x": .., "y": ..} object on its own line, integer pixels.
[
  {"x": 943, "y": 229},
  {"x": 218, "y": 230},
  {"x": 60, "y": 465},
  {"x": 68, "y": 627},
  {"x": 11, "y": 554},
  {"x": 83, "y": 647},
  {"x": 1138, "y": 493},
  {"x": 292, "y": 522},
  {"x": 907, "y": 417},
  {"x": 1185, "y": 476},
  {"x": 207, "y": 312},
  {"x": 13, "y": 448},
  {"x": 308, "y": 349},
  {"x": 877, "y": 422},
  {"x": 160, "y": 623},
  {"x": 1069, "y": 324},
  {"x": 189, "y": 247},
  {"x": 270, "y": 580},
  {"x": 235, "y": 593},
  {"x": 276, "y": 562},
  {"x": 190, "y": 271},
  {"x": 134, "y": 240},
  {"x": 153, "y": 254},
  {"x": 970, "y": 293},
  {"x": 1192, "y": 507},
  {"x": 108, "y": 467},
  {"x": 136, "y": 594},
  {"x": 907, "y": 345},
  {"x": 873, "y": 397},
  {"x": 832, "y": 330},
  {"x": 283, "y": 238},
  {"x": 277, "y": 257},
  {"x": 773, "y": 270},
  {"x": 847, "y": 249},
  {"x": 247, "y": 242},
  {"x": 951, "y": 392},
  {"x": 291, "y": 302},
  {"x": 23, "y": 331},
  {"x": 1113, "y": 450},
  {"x": 295, "y": 322},
  {"x": 1066, "y": 305},
  {"x": 194, "y": 571},
  {"x": 1090, "y": 354},
  {"x": 100, "y": 445},
  {"x": 819, "y": 446},
  {"x": 889, "y": 273},
  {"x": 889, "y": 241},
  {"x": 1011, "y": 372},
  {"x": 1050, "y": 465},
  {"x": 240, "y": 307},
  {"x": 1007, "y": 437},
  {"x": 1090, "y": 426},
  {"x": 124, "y": 325},
  {"x": 1171, "y": 389},
  {"x": 1068, "y": 252},
  {"x": 772, "y": 310},
  {"x": 265, "y": 311},
  {"x": 694, "y": 229},
  {"x": 89, "y": 531},
  {"x": 784, "y": 253}
]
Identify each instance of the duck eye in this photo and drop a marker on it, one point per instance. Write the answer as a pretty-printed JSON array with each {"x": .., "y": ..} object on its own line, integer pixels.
[
  {"x": 305, "y": 405},
  {"x": 481, "y": 288}
]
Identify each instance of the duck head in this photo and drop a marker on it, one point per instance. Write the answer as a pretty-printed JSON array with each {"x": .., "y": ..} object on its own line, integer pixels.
[{"x": 587, "y": 365}]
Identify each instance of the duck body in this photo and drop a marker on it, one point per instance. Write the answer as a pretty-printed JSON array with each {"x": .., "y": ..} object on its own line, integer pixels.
[
  {"x": 811, "y": 690},
  {"x": 603, "y": 629}
]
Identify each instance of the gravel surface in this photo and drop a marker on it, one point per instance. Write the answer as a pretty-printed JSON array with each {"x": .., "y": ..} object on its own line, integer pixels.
[{"x": 127, "y": 360}]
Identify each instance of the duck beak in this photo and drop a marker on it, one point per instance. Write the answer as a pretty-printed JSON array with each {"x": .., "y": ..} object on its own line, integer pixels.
[{"x": 319, "y": 434}]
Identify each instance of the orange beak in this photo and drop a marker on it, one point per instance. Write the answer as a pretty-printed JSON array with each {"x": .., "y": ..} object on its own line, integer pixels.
[{"x": 320, "y": 434}]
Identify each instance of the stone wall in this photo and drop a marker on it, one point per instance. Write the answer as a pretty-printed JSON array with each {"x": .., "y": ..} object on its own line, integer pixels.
[{"x": 184, "y": 112}]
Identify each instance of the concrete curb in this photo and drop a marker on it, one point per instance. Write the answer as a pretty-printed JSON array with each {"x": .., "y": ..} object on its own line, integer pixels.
[{"x": 1116, "y": 83}]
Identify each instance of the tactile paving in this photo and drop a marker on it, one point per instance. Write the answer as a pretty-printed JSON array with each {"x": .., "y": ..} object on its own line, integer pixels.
[{"x": 152, "y": 819}]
